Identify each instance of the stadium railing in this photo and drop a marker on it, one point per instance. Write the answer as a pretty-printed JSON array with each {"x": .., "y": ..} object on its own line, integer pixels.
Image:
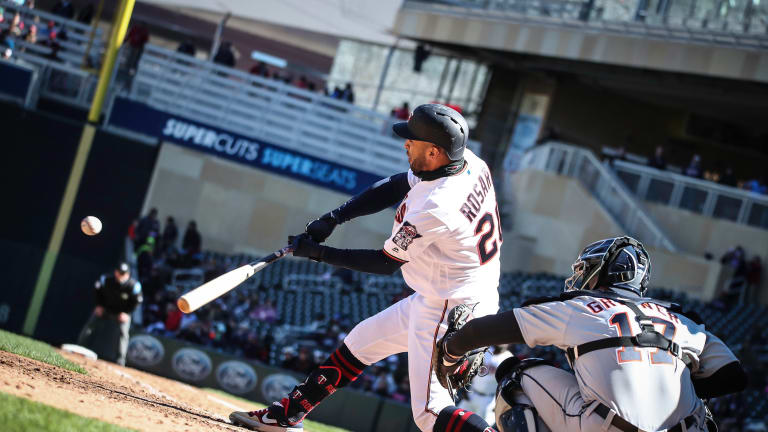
[
  {"x": 740, "y": 23},
  {"x": 699, "y": 196},
  {"x": 581, "y": 164},
  {"x": 268, "y": 109},
  {"x": 73, "y": 48},
  {"x": 63, "y": 83}
]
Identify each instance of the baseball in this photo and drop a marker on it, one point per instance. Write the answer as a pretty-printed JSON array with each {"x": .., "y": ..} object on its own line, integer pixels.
[{"x": 91, "y": 225}]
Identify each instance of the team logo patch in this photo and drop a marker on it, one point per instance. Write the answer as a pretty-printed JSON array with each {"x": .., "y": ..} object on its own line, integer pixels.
[{"x": 405, "y": 236}]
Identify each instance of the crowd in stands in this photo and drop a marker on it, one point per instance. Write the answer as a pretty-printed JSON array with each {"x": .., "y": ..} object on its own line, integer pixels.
[
  {"x": 696, "y": 169},
  {"x": 18, "y": 28},
  {"x": 743, "y": 276},
  {"x": 283, "y": 324}
]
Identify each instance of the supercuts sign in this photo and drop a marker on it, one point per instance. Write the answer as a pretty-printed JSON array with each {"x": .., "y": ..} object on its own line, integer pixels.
[{"x": 141, "y": 118}]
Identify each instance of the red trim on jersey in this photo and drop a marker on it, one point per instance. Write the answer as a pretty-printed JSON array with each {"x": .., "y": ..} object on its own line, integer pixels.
[
  {"x": 434, "y": 345},
  {"x": 393, "y": 257}
]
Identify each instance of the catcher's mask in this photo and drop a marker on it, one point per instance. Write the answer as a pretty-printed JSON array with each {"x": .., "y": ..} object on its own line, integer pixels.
[{"x": 619, "y": 262}]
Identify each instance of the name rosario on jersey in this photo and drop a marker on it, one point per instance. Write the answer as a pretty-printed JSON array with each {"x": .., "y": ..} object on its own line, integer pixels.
[{"x": 475, "y": 198}]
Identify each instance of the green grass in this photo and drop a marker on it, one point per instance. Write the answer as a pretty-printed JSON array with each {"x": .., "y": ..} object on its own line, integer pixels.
[
  {"x": 36, "y": 350},
  {"x": 251, "y": 405},
  {"x": 22, "y": 415}
]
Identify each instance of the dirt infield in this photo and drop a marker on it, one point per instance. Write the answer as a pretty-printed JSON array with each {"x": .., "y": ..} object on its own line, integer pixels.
[{"x": 118, "y": 395}]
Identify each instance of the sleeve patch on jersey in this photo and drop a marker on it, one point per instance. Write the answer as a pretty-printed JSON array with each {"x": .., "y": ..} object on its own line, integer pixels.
[{"x": 405, "y": 235}]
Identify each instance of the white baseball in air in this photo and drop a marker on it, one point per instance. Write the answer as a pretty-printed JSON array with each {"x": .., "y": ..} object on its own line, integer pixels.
[{"x": 91, "y": 225}]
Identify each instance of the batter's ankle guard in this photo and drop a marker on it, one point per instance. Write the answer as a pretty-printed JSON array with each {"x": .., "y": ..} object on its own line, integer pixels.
[
  {"x": 337, "y": 371},
  {"x": 453, "y": 419}
]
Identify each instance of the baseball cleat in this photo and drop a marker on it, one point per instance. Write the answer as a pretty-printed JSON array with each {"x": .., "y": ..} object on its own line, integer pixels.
[{"x": 262, "y": 421}]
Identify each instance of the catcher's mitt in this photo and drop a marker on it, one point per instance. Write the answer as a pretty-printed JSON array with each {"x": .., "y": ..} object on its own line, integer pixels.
[{"x": 452, "y": 372}]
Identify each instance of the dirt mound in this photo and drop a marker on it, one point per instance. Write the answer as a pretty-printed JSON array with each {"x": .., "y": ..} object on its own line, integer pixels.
[{"x": 118, "y": 395}]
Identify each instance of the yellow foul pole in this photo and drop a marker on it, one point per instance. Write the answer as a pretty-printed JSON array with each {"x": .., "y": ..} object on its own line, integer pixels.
[{"x": 119, "y": 28}]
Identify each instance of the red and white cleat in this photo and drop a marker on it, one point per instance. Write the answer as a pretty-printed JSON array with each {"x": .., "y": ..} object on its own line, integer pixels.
[{"x": 263, "y": 421}]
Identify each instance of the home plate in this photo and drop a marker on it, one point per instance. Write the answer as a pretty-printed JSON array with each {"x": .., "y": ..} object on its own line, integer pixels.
[{"x": 80, "y": 350}]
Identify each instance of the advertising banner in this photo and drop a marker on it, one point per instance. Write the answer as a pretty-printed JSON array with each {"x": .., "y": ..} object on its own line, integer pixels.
[{"x": 259, "y": 154}]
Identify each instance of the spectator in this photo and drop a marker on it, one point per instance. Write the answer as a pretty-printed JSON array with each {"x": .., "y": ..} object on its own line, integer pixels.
[
  {"x": 694, "y": 168},
  {"x": 302, "y": 83},
  {"x": 138, "y": 36},
  {"x": 170, "y": 234},
  {"x": 106, "y": 331},
  {"x": 31, "y": 35},
  {"x": 145, "y": 259},
  {"x": 260, "y": 69},
  {"x": 85, "y": 15},
  {"x": 347, "y": 94},
  {"x": 754, "y": 277},
  {"x": 15, "y": 27},
  {"x": 192, "y": 241},
  {"x": 148, "y": 226},
  {"x": 64, "y": 8},
  {"x": 728, "y": 178},
  {"x": 187, "y": 47},
  {"x": 658, "y": 161},
  {"x": 225, "y": 56},
  {"x": 403, "y": 113},
  {"x": 757, "y": 186},
  {"x": 303, "y": 362},
  {"x": 265, "y": 312},
  {"x": 336, "y": 94}
]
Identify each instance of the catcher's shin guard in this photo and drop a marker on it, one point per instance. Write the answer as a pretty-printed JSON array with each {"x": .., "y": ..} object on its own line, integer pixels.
[
  {"x": 338, "y": 370},
  {"x": 453, "y": 419}
]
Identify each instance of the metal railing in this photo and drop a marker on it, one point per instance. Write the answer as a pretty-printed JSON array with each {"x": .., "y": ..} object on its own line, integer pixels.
[
  {"x": 269, "y": 110},
  {"x": 71, "y": 49},
  {"x": 63, "y": 83},
  {"x": 602, "y": 183},
  {"x": 739, "y": 23},
  {"x": 699, "y": 196}
]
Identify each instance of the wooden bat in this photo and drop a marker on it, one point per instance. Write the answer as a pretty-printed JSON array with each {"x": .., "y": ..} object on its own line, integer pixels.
[{"x": 215, "y": 288}]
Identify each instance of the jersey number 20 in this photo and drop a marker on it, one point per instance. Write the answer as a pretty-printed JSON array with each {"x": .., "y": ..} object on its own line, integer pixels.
[{"x": 487, "y": 246}]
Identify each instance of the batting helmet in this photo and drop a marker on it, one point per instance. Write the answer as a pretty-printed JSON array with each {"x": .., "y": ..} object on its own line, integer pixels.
[
  {"x": 619, "y": 262},
  {"x": 438, "y": 124}
]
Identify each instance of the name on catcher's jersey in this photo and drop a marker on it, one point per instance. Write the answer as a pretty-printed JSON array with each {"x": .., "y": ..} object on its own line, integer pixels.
[
  {"x": 447, "y": 232},
  {"x": 645, "y": 386}
]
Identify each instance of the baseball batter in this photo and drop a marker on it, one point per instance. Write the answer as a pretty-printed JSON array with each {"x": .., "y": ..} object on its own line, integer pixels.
[
  {"x": 639, "y": 364},
  {"x": 446, "y": 237}
]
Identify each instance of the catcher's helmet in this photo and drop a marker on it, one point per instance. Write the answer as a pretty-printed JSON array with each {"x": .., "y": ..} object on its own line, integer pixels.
[
  {"x": 619, "y": 262},
  {"x": 438, "y": 124}
]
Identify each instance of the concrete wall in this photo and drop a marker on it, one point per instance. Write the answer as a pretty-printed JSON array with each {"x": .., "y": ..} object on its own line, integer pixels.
[
  {"x": 575, "y": 43},
  {"x": 550, "y": 218},
  {"x": 241, "y": 209},
  {"x": 699, "y": 234}
]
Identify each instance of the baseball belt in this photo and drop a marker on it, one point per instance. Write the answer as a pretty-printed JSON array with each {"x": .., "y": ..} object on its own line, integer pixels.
[{"x": 618, "y": 422}]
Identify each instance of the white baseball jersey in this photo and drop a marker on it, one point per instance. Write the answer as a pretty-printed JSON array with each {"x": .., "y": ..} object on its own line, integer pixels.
[
  {"x": 647, "y": 387},
  {"x": 447, "y": 232}
]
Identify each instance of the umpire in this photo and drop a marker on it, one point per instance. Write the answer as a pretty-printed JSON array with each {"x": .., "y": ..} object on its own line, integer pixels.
[{"x": 106, "y": 332}]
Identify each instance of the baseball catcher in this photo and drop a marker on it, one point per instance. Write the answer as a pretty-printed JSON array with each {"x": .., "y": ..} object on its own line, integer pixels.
[{"x": 639, "y": 364}]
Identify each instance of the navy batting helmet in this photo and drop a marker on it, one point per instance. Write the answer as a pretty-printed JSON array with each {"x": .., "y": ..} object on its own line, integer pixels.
[
  {"x": 438, "y": 124},
  {"x": 619, "y": 262}
]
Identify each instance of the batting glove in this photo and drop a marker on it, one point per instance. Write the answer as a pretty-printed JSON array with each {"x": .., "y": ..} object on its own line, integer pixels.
[
  {"x": 304, "y": 246},
  {"x": 320, "y": 229}
]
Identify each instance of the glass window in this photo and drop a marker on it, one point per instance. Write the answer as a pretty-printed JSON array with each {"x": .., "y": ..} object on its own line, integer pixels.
[
  {"x": 659, "y": 191},
  {"x": 629, "y": 179},
  {"x": 758, "y": 216},
  {"x": 693, "y": 199},
  {"x": 727, "y": 207}
]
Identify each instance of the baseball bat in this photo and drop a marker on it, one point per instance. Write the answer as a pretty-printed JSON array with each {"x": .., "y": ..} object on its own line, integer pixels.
[{"x": 215, "y": 288}]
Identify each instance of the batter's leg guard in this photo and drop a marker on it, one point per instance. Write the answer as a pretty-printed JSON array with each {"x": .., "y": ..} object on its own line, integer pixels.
[
  {"x": 338, "y": 370},
  {"x": 453, "y": 419}
]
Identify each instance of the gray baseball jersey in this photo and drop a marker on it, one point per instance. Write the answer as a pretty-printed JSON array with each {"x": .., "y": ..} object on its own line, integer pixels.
[{"x": 649, "y": 388}]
